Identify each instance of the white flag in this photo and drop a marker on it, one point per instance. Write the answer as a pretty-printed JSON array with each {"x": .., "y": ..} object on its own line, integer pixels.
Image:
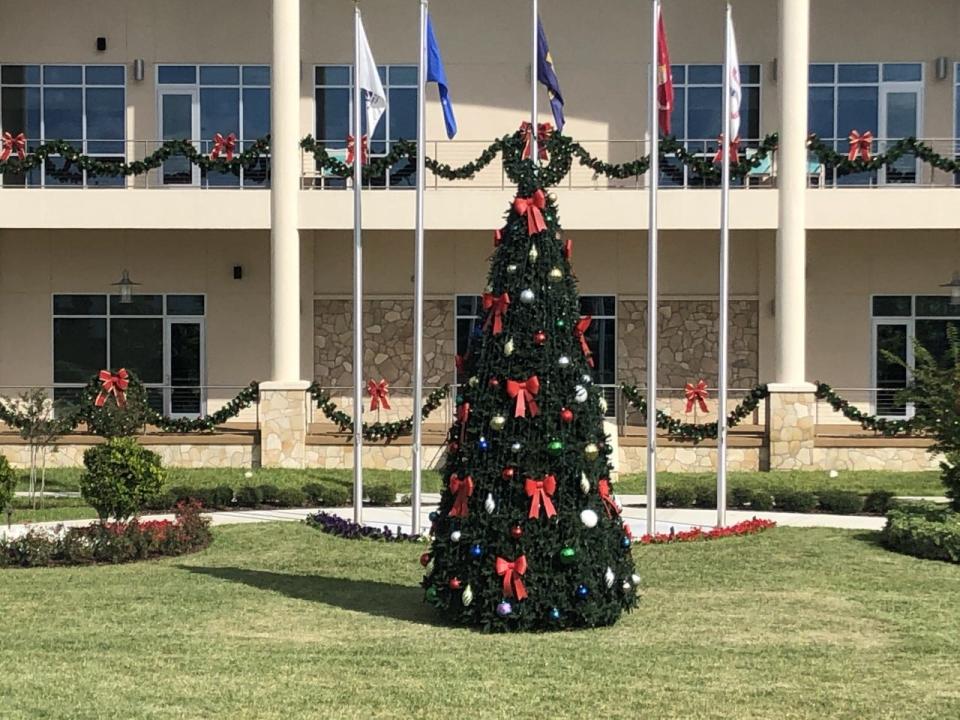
[
  {"x": 733, "y": 73},
  {"x": 370, "y": 83}
]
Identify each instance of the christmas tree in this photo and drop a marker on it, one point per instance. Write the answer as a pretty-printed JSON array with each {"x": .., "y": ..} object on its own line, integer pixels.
[{"x": 528, "y": 534}]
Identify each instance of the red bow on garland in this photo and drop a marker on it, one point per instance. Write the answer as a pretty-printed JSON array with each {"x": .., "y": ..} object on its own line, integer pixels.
[
  {"x": 579, "y": 332},
  {"x": 610, "y": 505},
  {"x": 463, "y": 415},
  {"x": 351, "y": 150},
  {"x": 696, "y": 395},
  {"x": 461, "y": 489},
  {"x": 734, "y": 150},
  {"x": 531, "y": 207},
  {"x": 860, "y": 145},
  {"x": 225, "y": 145},
  {"x": 379, "y": 394},
  {"x": 539, "y": 491},
  {"x": 544, "y": 131},
  {"x": 113, "y": 384},
  {"x": 496, "y": 305},
  {"x": 524, "y": 392},
  {"x": 13, "y": 143},
  {"x": 512, "y": 580}
]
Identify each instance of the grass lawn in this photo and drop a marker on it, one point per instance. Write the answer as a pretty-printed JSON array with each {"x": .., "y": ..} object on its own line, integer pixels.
[{"x": 279, "y": 621}]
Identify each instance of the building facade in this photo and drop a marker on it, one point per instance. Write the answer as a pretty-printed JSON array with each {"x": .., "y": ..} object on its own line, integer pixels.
[{"x": 213, "y": 253}]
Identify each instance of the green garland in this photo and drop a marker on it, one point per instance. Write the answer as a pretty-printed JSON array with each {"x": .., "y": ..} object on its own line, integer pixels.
[
  {"x": 114, "y": 168},
  {"x": 244, "y": 399},
  {"x": 378, "y": 430},
  {"x": 840, "y": 162},
  {"x": 880, "y": 425}
]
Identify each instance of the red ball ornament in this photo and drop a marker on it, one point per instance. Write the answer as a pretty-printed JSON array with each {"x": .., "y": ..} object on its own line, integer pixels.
[
  {"x": 566, "y": 415},
  {"x": 516, "y": 532},
  {"x": 493, "y": 382},
  {"x": 454, "y": 583},
  {"x": 508, "y": 473},
  {"x": 425, "y": 559},
  {"x": 453, "y": 446},
  {"x": 539, "y": 337}
]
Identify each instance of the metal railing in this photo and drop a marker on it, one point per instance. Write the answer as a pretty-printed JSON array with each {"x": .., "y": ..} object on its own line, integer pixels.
[{"x": 177, "y": 172}]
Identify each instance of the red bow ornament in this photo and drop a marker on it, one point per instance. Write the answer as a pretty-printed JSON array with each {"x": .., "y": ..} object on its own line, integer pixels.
[
  {"x": 860, "y": 145},
  {"x": 512, "y": 580},
  {"x": 225, "y": 145},
  {"x": 610, "y": 505},
  {"x": 497, "y": 306},
  {"x": 696, "y": 395},
  {"x": 531, "y": 207},
  {"x": 734, "y": 150},
  {"x": 524, "y": 393},
  {"x": 113, "y": 384},
  {"x": 460, "y": 361},
  {"x": 539, "y": 492},
  {"x": 462, "y": 488},
  {"x": 544, "y": 130},
  {"x": 379, "y": 394},
  {"x": 351, "y": 150},
  {"x": 463, "y": 415},
  {"x": 13, "y": 143},
  {"x": 497, "y": 238},
  {"x": 579, "y": 332},
  {"x": 568, "y": 249}
]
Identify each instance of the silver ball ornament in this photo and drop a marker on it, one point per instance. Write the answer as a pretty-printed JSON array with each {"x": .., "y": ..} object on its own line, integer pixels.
[
  {"x": 563, "y": 361},
  {"x": 589, "y": 518},
  {"x": 455, "y": 536},
  {"x": 580, "y": 394},
  {"x": 527, "y": 296}
]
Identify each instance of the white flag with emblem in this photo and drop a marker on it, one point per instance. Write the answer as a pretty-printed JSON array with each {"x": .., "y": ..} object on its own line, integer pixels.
[
  {"x": 733, "y": 72},
  {"x": 370, "y": 83}
]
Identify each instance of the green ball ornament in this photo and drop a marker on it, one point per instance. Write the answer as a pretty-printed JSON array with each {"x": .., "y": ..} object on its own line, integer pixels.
[
  {"x": 459, "y": 399},
  {"x": 431, "y": 594},
  {"x": 561, "y": 323},
  {"x": 555, "y": 446},
  {"x": 567, "y": 555}
]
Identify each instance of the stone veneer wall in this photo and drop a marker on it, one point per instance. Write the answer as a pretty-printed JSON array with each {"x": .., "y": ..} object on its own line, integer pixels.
[
  {"x": 688, "y": 342},
  {"x": 183, "y": 455}
]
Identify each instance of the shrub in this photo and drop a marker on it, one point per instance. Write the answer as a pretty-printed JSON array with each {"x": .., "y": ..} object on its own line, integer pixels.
[
  {"x": 381, "y": 493},
  {"x": 268, "y": 494},
  {"x": 705, "y": 495},
  {"x": 120, "y": 477},
  {"x": 249, "y": 496},
  {"x": 314, "y": 492},
  {"x": 8, "y": 482},
  {"x": 739, "y": 496},
  {"x": 178, "y": 493},
  {"x": 676, "y": 496},
  {"x": 878, "y": 502},
  {"x": 761, "y": 500},
  {"x": 334, "y": 495},
  {"x": 291, "y": 497},
  {"x": 840, "y": 502},
  {"x": 222, "y": 496},
  {"x": 927, "y": 532},
  {"x": 798, "y": 501}
]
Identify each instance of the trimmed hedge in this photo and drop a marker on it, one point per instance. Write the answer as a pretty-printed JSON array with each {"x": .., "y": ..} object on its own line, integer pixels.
[{"x": 924, "y": 530}]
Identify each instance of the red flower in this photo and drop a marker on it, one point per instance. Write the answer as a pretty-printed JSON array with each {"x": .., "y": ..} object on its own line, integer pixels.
[{"x": 747, "y": 527}]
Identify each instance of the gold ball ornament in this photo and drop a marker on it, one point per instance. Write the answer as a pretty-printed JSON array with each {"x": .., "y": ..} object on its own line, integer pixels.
[{"x": 591, "y": 451}]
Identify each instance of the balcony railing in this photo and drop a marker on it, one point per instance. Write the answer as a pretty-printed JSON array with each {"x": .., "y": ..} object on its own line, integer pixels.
[{"x": 177, "y": 172}]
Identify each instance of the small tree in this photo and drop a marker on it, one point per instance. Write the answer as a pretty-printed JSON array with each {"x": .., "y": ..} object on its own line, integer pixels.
[
  {"x": 8, "y": 482},
  {"x": 43, "y": 421},
  {"x": 935, "y": 392},
  {"x": 120, "y": 477}
]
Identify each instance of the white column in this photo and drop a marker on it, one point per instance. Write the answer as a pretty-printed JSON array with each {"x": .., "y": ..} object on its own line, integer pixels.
[
  {"x": 284, "y": 192},
  {"x": 790, "y": 297}
]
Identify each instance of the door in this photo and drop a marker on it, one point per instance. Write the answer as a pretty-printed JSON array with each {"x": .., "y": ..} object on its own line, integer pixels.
[
  {"x": 184, "y": 363},
  {"x": 890, "y": 338},
  {"x": 179, "y": 120},
  {"x": 899, "y": 118}
]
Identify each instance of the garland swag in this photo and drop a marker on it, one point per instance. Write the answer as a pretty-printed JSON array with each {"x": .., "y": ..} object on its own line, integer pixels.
[{"x": 378, "y": 430}]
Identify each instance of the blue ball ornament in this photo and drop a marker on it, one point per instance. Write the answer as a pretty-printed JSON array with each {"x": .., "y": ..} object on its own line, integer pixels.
[
  {"x": 554, "y": 614},
  {"x": 477, "y": 330},
  {"x": 582, "y": 592},
  {"x": 434, "y": 516},
  {"x": 625, "y": 542},
  {"x": 504, "y": 609},
  {"x": 476, "y": 550},
  {"x": 483, "y": 444}
]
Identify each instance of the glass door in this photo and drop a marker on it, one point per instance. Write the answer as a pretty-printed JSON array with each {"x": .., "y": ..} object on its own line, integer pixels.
[
  {"x": 899, "y": 118},
  {"x": 184, "y": 392},
  {"x": 179, "y": 120},
  {"x": 891, "y": 342}
]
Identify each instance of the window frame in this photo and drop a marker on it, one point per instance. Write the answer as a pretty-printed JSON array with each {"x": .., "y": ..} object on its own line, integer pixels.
[{"x": 83, "y": 86}]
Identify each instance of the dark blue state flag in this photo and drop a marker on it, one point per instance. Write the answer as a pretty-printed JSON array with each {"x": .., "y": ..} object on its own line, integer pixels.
[
  {"x": 436, "y": 73},
  {"x": 548, "y": 76}
]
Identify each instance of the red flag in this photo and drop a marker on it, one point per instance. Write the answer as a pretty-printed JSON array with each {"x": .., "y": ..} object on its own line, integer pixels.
[{"x": 664, "y": 78}]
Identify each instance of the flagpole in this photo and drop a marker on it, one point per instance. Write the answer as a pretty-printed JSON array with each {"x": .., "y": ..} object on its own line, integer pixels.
[
  {"x": 418, "y": 274},
  {"x": 652, "y": 278},
  {"x": 357, "y": 279},
  {"x": 534, "y": 113},
  {"x": 724, "y": 284}
]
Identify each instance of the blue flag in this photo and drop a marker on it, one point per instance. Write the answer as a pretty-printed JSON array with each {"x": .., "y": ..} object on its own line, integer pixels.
[
  {"x": 548, "y": 76},
  {"x": 436, "y": 73}
]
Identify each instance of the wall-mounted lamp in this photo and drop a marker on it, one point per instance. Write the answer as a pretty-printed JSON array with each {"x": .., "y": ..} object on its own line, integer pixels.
[
  {"x": 101, "y": 44},
  {"x": 138, "y": 69},
  {"x": 238, "y": 272},
  {"x": 125, "y": 286},
  {"x": 942, "y": 67},
  {"x": 954, "y": 286}
]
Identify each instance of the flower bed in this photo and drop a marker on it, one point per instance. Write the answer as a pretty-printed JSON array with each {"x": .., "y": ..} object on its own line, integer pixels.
[
  {"x": 925, "y": 531},
  {"x": 336, "y": 525},
  {"x": 110, "y": 543},
  {"x": 747, "y": 527}
]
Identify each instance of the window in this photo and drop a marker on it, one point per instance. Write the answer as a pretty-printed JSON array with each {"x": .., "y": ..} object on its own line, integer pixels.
[
  {"x": 82, "y": 104},
  {"x": 198, "y": 101},
  {"x": 882, "y": 98},
  {"x": 897, "y": 321},
  {"x": 601, "y": 336},
  {"x": 334, "y": 108},
  {"x": 697, "y": 117},
  {"x": 158, "y": 337}
]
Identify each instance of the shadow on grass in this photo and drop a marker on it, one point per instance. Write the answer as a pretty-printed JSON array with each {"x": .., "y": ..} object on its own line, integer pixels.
[
  {"x": 400, "y": 602},
  {"x": 871, "y": 537}
]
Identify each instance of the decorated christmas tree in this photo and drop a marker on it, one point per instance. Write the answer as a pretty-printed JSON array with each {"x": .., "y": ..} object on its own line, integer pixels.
[{"x": 528, "y": 534}]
